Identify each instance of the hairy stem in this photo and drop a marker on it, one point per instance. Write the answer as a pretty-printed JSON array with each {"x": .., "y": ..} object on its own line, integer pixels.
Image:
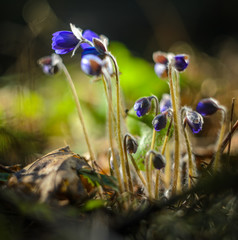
[
  {"x": 140, "y": 175},
  {"x": 80, "y": 114},
  {"x": 109, "y": 99},
  {"x": 219, "y": 140},
  {"x": 191, "y": 166},
  {"x": 127, "y": 163},
  {"x": 176, "y": 183},
  {"x": 167, "y": 136},
  {"x": 119, "y": 132},
  {"x": 150, "y": 169}
]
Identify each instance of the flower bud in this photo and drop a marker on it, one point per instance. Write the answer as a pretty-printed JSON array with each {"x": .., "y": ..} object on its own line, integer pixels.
[
  {"x": 194, "y": 121},
  {"x": 180, "y": 62},
  {"x": 160, "y": 121},
  {"x": 161, "y": 70},
  {"x": 161, "y": 64},
  {"x": 50, "y": 64},
  {"x": 131, "y": 145},
  {"x": 207, "y": 106},
  {"x": 142, "y": 106},
  {"x": 91, "y": 64},
  {"x": 64, "y": 42},
  {"x": 159, "y": 161}
]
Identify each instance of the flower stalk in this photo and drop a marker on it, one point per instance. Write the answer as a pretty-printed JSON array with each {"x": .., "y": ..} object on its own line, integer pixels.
[
  {"x": 118, "y": 116},
  {"x": 80, "y": 114},
  {"x": 150, "y": 168},
  {"x": 107, "y": 82},
  {"x": 176, "y": 183},
  {"x": 130, "y": 185},
  {"x": 220, "y": 139}
]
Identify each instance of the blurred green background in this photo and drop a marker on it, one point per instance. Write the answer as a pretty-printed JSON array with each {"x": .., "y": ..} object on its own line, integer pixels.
[{"x": 37, "y": 112}]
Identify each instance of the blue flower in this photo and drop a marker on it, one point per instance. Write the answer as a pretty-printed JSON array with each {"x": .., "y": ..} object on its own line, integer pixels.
[
  {"x": 92, "y": 64},
  {"x": 207, "y": 106},
  {"x": 142, "y": 106},
  {"x": 89, "y": 35},
  {"x": 181, "y": 62},
  {"x": 90, "y": 50},
  {"x": 160, "y": 121},
  {"x": 194, "y": 121},
  {"x": 165, "y": 102},
  {"x": 64, "y": 42}
]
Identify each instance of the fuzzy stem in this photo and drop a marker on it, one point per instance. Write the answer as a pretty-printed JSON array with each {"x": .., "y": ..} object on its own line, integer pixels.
[
  {"x": 80, "y": 114},
  {"x": 119, "y": 132},
  {"x": 177, "y": 93},
  {"x": 162, "y": 152},
  {"x": 176, "y": 184},
  {"x": 219, "y": 140},
  {"x": 231, "y": 119},
  {"x": 167, "y": 136},
  {"x": 106, "y": 92},
  {"x": 148, "y": 161},
  {"x": 191, "y": 166},
  {"x": 167, "y": 179},
  {"x": 127, "y": 163},
  {"x": 109, "y": 99},
  {"x": 157, "y": 184},
  {"x": 140, "y": 175},
  {"x": 150, "y": 169}
]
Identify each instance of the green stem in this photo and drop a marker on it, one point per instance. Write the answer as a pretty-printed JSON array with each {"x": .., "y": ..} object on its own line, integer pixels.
[
  {"x": 109, "y": 99},
  {"x": 80, "y": 114},
  {"x": 176, "y": 183}
]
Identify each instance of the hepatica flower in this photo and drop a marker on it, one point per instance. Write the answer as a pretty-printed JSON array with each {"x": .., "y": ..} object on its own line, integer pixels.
[
  {"x": 142, "y": 106},
  {"x": 159, "y": 161},
  {"x": 131, "y": 145},
  {"x": 160, "y": 121},
  {"x": 179, "y": 62},
  {"x": 161, "y": 64},
  {"x": 194, "y": 121},
  {"x": 50, "y": 64},
  {"x": 89, "y": 35},
  {"x": 207, "y": 106},
  {"x": 92, "y": 64},
  {"x": 64, "y": 42}
]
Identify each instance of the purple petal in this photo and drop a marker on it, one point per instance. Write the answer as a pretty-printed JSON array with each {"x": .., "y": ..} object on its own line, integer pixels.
[{"x": 89, "y": 35}]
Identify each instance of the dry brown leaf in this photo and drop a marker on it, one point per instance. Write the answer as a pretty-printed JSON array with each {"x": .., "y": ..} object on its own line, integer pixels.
[{"x": 54, "y": 176}]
